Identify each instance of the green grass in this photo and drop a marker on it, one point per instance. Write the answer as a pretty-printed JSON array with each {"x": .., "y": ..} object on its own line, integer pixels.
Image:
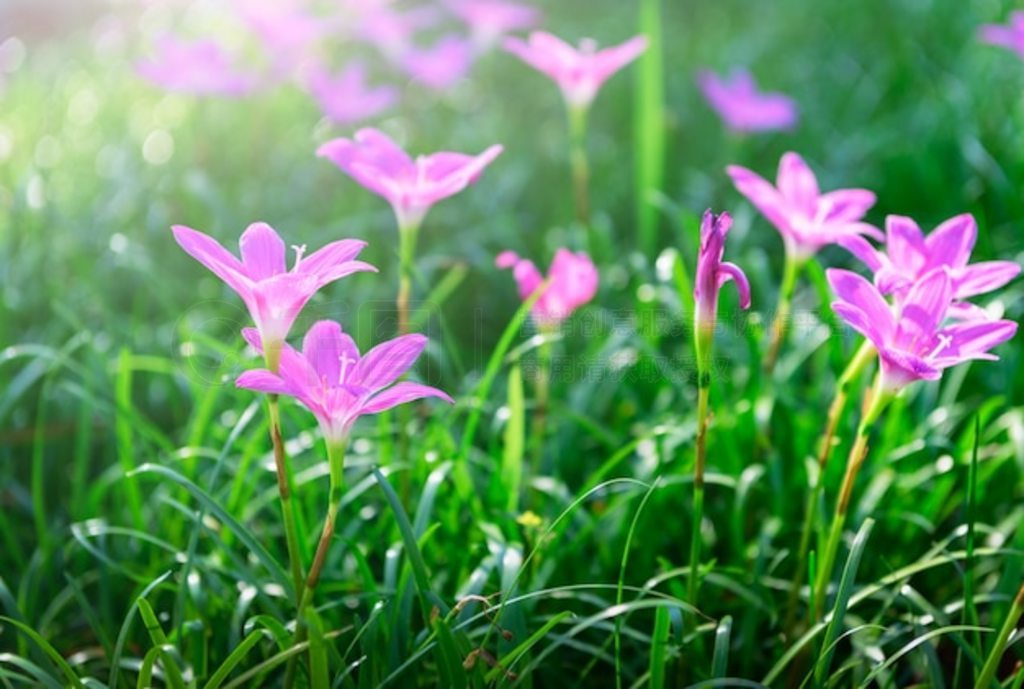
[{"x": 141, "y": 535}]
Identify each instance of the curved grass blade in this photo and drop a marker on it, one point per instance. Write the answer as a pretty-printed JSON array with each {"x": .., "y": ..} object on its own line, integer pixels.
[
  {"x": 234, "y": 658},
  {"x": 156, "y": 634},
  {"x": 720, "y": 656},
  {"x": 49, "y": 650}
]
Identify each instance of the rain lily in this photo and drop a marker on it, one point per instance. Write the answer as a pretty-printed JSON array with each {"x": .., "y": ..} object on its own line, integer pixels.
[
  {"x": 909, "y": 255},
  {"x": 198, "y": 67},
  {"x": 806, "y": 218},
  {"x": 347, "y": 98},
  {"x": 712, "y": 273},
  {"x": 913, "y": 340},
  {"x": 742, "y": 107},
  {"x": 273, "y": 294},
  {"x": 391, "y": 31},
  {"x": 579, "y": 72},
  {"x": 288, "y": 32},
  {"x": 572, "y": 282},
  {"x": 1009, "y": 35},
  {"x": 490, "y": 20},
  {"x": 337, "y": 384},
  {"x": 440, "y": 66},
  {"x": 410, "y": 186}
]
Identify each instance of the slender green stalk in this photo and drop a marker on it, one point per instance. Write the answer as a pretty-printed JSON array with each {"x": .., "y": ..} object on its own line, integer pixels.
[
  {"x": 858, "y": 452},
  {"x": 580, "y": 166},
  {"x": 336, "y": 466},
  {"x": 542, "y": 386},
  {"x": 284, "y": 490},
  {"x": 850, "y": 375},
  {"x": 693, "y": 583},
  {"x": 790, "y": 273},
  {"x": 649, "y": 126},
  {"x": 407, "y": 233},
  {"x": 988, "y": 671}
]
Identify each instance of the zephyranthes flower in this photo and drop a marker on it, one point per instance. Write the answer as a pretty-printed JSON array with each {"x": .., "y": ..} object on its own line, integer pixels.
[
  {"x": 742, "y": 106},
  {"x": 712, "y": 273},
  {"x": 572, "y": 282},
  {"x": 347, "y": 97},
  {"x": 337, "y": 384},
  {"x": 273, "y": 294},
  {"x": 909, "y": 255},
  {"x": 196, "y": 67},
  {"x": 579, "y": 72},
  {"x": 913, "y": 340},
  {"x": 806, "y": 218},
  {"x": 1009, "y": 35},
  {"x": 489, "y": 20},
  {"x": 441, "y": 65},
  {"x": 410, "y": 186}
]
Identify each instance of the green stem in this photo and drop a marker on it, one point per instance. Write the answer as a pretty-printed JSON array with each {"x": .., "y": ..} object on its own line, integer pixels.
[
  {"x": 291, "y": 534},
  {"x": 406, "y": 260},
  {"x": 790, "y": 272},
  {"x": 336, "y": 465},
  {"x": 580, "y": 167},
  {"x": 988, "y": 671},
  {"x": 853, "y": 371},
  {"x": 698, "y": 488},
  {"x": 880, "y": 399},
  {"x": 540, "y": 412}
]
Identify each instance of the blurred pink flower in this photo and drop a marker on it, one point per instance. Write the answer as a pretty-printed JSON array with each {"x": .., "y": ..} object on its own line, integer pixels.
[
  {"x": 273, "y": 294},
  {"x": 491, "y": 20},
  {"x": 393, "y": 32},
  {"x": 410, "y": 186},
  {"x": 337, "y": 384},
  {"x": 581, "y": 72},
  {"x": 346, "y": 97},
  {"x": 806, "y": 218},
  {"x": 742, "y": 107},
  {"x": 198, "y": 67},
  {"x": 571, "y": 283},
  {"x": 912, "y": 341},
  {"x": 909, "y": 256},
  {"x": 712, "y": 272},
  {"x": 289, "y": 33},
  {"x": 1009, "y": 35},
  {"x": 440, "y": 66}
]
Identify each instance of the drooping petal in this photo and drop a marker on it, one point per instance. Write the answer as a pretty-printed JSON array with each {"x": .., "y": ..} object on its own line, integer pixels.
[
  {"x": 215, "y": 257},
  {"x": 862, "y": 249},
  {"x": 386, "y": 362},
  {"x": 950, "y": 244},
  {"x": 263, "y": 380},
  {"x": 858, "y": 292},
  {"x": 860, "y": 322},
  {"x": 734, "y": 272},
  {"x": 400, "y": 394},
  {"x": 263, "y": 251},
  {"x": 979, "y": 278},
  {"x": 797, "y": 183}
]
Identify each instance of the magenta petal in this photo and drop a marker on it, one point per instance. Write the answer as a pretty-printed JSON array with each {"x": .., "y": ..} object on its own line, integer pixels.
[
  {"x": 847, "y": 205},
  {"x": 950, "y": 244},
  {"x": 762, "y": 194},
  {"x": 924, "y": 307},
  {"x": 858, "y": 292},
  {"x": 383, "y": 364},
  {"x": 797, "y": 183},
  {"x": 276, "y": 302},
  {"x": 215, "y": 257},
  {"x": 862, "y": 249},
  {"x": 905, "y": 244},
  {"x": 400, "y": 394},
  {"x": 263, "y": 251},
  {"x": 252, "y": 337},
  {"x": 734, "y": 272},
  {"x": 857, "y": 320},
  {"x": 973, "y": 339},
  {"x": 321, "y": 347},
  {"x": 262, "y": 380},
  {"x": 323, "y": 261},
  {"x": 979, "y": 278}
]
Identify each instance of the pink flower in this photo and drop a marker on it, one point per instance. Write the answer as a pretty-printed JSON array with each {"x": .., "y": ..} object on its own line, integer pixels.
[
  {"x": 410, "y": 186},
  {"x": 347, "y": 98},
  {"x": 273, "y": 294},
  {"x": 712, "y": 272},
  {"x": 742, "y": 107},
  {"x": 580, "y": 72},
  {"x": 806, "y": 218},
  {"x": 909, "y": 256},
  {"x": 288, "y": 32},
  {"x": 338, "y": 385},
  {"x": 912, "y": 341},
  {"x": 490, "y": 20},
  {"x": 572, "y": 282},
  {"x": 440, "y": 66},
  {"x": 1009, "y": 35},
  {"x": 198, "y": 67},
  {"x": 391, "y": 31}
]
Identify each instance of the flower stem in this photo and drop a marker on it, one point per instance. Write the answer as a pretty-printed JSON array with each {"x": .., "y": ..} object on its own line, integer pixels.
[
  {"x": 790, "y": 271},
  {"x": 540, "y": 412},
  {"x": 858, "y": 452},
  {"x": 336, "y": 464},
  {"x": 406, "y": 260},
  {"x": 580, "y": 167},
  {"x": 988, "y": 671},
  {"x": 285, "y": 492},
  {"x": 698, "y": 487},
  {"x": 853, "y": 370}
]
